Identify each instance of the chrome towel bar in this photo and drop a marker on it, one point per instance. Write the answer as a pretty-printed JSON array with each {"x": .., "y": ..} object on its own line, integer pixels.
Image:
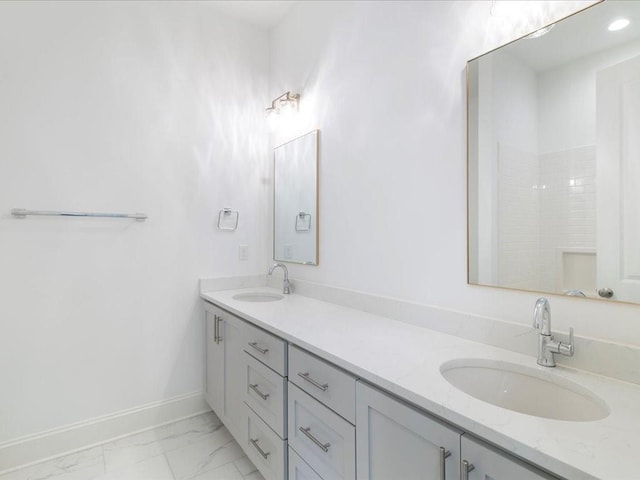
[{"x": 22, "y": 213}]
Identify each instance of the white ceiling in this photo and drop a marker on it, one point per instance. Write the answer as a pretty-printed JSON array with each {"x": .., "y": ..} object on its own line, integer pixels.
[{"x": 261, "y": 13}]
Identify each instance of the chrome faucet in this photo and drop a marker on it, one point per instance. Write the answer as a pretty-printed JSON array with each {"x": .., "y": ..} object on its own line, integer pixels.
[
  {"x": 286, "y": 285},
  {"x": 547, "y": 346}
]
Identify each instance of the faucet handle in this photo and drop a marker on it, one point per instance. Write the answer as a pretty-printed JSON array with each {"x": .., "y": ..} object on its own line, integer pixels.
[{"x": 567, "y": 349}]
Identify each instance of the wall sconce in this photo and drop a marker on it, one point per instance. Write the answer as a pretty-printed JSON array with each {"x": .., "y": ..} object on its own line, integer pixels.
[{"x": 287, "y": 102}]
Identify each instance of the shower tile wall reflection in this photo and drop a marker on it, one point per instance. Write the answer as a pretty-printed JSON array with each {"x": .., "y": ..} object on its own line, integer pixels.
[
  {"x": 198, "y": 448},
  {"x": 518, "y": 217},
  {"x": 547, "y": 219},
  {"x": 568, "y": 215}
]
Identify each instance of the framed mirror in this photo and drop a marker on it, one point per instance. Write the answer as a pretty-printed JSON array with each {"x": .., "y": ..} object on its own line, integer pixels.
[
  {"x": 295, "y": 219},
  {"x": 554, "y": 158}
]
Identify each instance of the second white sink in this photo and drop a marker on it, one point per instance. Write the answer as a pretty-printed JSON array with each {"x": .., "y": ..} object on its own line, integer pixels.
[
  {"x": 258, "y": 297},
  {"x": 524, "y": 390}
]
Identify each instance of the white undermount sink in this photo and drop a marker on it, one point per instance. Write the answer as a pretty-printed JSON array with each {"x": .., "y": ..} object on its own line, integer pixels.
[
  {"x": 524, "y": 390},
  {"x": 258, "y": 297}
]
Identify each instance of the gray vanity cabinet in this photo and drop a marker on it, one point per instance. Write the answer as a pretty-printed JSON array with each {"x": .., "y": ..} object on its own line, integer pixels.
[
  {"x": 298, "y": 416},
  {"x": 223, "y": 367},
  {"x": 483, "y": 461},
  {"x": 394, "y": 440}
]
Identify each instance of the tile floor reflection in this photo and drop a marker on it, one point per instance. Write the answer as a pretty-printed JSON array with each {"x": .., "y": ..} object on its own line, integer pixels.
[{"x": 198, "y": 448}]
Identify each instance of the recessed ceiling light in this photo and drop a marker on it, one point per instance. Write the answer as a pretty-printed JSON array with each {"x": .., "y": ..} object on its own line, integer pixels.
[{"x": 618, "y": 24}]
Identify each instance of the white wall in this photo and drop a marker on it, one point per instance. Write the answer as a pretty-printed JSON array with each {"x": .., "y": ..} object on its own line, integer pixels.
[
  {"x": 384, "y": 82},
  {"x": 120, "y": 106},
  {"x": 515, "y": 102},
  {"x": 518, "y": 214},
  {"x": 514, "y": 141}
]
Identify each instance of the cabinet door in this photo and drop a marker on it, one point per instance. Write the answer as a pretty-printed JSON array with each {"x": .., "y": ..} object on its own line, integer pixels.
[
  {"x": 488, "y": 463},
  {"x": 224, "y": 381},
  {"x": 232, "y": 340},
  {"x": 214, "y": 361},
  {"x": 394, "y": 440}
]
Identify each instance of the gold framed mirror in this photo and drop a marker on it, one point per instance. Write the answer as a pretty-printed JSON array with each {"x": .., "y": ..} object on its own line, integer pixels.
[
  {"x": 554, "y": 158},
  {"x": 295, "y": 218}
]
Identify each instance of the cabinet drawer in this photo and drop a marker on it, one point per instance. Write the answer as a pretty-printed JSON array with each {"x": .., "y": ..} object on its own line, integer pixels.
[
  {"x": 269, "y": 349},
  {"x": 265, "y": 449},
  {"x": 322, "y": 438},
  {"x": 327, "y": 383},
  {"x": 299, "y": 469},
  {"x": 265, "y": 393}
]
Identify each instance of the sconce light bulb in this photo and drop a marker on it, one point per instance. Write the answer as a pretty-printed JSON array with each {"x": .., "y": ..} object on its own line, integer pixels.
[{"x": 287, "y": 105}]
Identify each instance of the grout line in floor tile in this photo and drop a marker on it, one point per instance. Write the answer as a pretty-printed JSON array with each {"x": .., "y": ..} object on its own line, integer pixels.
[{"x": 166, "y": 459}]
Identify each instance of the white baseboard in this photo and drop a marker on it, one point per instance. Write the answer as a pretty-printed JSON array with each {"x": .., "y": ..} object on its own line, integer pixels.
[{"x": 78, "y": 436}]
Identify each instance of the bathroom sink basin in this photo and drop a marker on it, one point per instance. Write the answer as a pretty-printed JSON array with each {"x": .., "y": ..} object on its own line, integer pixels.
[
  {"x": 524, "y": 390},
  {"x": 258, "y": 297}
]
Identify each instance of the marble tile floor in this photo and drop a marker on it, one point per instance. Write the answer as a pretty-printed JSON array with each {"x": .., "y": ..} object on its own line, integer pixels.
[{"x": 198, "y": 448}]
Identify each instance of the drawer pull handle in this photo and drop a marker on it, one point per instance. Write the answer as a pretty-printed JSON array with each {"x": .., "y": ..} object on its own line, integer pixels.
[
  {"x": 323, "y": 446},
  {"x": 444, "y": 454},
  {"x": 261, "y": 350},
  {"x": 466, "y": 468},
  {"x": 254, "y": 442},
  {"x": 255, "y": 388},
  {"x": 319, "y": 385}
]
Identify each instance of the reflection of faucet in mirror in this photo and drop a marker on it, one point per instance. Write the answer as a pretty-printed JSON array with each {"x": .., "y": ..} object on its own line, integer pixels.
[
  {"x": 547, "y": 346},
  {"x": 286, "y": 285}
]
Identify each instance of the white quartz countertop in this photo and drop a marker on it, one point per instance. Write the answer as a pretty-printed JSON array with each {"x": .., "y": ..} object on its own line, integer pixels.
[{"x": 405, "y": 359}]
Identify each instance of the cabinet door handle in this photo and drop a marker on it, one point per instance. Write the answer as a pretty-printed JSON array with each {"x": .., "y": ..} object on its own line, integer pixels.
[
  {"x": 466, "y": 468},
  {"x": 218, "y": 322},
  {"x": 216, "y": 327},
  {"x": 255, "y": 388},
  {"x": 261, "y": 350},
  {"x": 444, "y": 454},
  {"x": 254, "y": 442},
  {"x": 323, "y": 446},
  {"x": 316, "y": 384}
]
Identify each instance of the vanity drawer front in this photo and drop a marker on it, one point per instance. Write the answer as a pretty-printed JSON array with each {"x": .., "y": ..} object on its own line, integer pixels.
[
  {"x": 299, "y": 469},
  {"x": 326, "y": 441},
  {"x": 324, "y": 381},
  {"x": 265, "y": 393},
  {"x": 265, "y": 449},
  {"x": 269, "y": 349}
]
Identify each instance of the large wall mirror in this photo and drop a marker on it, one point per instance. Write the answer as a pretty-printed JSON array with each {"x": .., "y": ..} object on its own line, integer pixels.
[
  {"x": 295, "y": 220},
  {"x": 554, "y": 158}
]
